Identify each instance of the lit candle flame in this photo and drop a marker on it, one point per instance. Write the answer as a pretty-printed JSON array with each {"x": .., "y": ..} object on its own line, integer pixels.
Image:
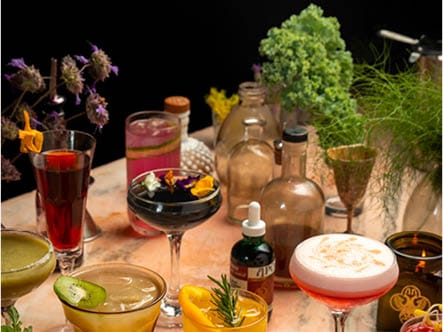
[{"x": 420, "y": 267}]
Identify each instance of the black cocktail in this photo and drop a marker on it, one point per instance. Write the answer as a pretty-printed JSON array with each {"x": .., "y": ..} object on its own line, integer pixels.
[{"x": 173, "y": 201}]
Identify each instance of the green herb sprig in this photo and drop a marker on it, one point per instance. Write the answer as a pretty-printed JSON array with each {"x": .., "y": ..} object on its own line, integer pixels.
[
  {"x": 403, "y": 111},
  {"x": 225, "y": 299},
  {"x": 15, "y": 325}
]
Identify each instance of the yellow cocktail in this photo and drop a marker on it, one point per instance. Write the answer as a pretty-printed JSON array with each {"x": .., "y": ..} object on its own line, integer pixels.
[
  {"x": 200, "y": 314},
  {"x": 28, "y": 259},
  {"x": 133, "y": 298}
]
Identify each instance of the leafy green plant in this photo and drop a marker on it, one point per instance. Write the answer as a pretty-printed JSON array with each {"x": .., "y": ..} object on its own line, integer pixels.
[
  {"x": 308, "y": 64},
  {"x": 15, "y": 325}
]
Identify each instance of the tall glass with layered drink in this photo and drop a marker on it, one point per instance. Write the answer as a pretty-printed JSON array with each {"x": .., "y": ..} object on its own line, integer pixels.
[{"x": 153, "y": 140}]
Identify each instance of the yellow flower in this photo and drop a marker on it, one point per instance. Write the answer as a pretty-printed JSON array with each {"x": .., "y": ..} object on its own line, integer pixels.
[
  {"x": 220, "y": 104},
  {"x": 203, "y": 186},
  {"x": 32, "y": 139}
]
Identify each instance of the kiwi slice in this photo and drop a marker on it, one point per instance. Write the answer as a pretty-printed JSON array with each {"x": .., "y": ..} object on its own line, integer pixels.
[{"x": 78, "y": 292}]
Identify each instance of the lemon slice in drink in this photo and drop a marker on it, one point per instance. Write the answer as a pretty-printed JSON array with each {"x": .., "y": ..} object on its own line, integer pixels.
[
  {"x": 192, "y": 300},
  {"x": 78, "y": 292}
]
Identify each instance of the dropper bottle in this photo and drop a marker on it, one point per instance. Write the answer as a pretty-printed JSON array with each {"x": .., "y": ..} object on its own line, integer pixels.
[{"x": 253, "y": 259}]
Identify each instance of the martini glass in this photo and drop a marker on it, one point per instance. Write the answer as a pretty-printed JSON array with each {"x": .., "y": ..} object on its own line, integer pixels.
[
  {"x": 343, "y": 271},
  {"x": 28, "y": 259},
  {"x": 172, "y": 214},
  {"x": 352, "y": 165}
]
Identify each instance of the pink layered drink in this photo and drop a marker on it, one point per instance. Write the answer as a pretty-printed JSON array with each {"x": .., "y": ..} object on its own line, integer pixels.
[
  {"x": 153, "y": 140},
  {"x": 151, "y": 143},
  {"x": 343, "y": 270}
]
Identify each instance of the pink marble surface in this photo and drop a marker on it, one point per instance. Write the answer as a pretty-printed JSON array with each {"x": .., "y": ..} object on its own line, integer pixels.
[{"x": 205, "y": 251}]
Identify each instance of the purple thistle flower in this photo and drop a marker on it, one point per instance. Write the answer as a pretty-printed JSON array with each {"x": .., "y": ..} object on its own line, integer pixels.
[
  {"x": 72, "y": 76},
  {"x": 9, "y": 129},
  {"x": 100, "y": 65},
  {"x": 9, "y": 171},
  {"x": 27, "y": 78},
  {"x": 96, "y": 110}
]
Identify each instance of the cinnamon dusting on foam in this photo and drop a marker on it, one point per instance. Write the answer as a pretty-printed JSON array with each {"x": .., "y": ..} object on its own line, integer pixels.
[{"x": 347, "y": 253}]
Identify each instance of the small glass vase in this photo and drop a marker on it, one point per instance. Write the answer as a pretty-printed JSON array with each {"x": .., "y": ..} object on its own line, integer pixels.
[{"x": 423, "y": 209}]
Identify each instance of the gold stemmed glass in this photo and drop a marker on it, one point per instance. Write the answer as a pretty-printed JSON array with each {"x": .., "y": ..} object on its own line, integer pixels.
[{"x": 352, "y": 165}]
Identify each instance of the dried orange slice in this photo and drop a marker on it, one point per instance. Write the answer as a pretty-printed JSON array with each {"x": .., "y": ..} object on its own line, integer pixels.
[{"x": 194, "y": 299}]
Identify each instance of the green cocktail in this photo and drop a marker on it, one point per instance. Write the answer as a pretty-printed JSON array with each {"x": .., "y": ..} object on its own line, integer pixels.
[
  {"x": 132, "y": 300},
  {"x": 28, "y": 259}
]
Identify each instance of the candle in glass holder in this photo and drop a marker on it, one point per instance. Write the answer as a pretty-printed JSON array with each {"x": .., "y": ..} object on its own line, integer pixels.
[{"x": 419, "y": 257}]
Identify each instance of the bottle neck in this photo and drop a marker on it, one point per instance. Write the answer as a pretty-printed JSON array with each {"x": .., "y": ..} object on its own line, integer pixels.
[
  {"x": 253, "y": 239},
  {"x": 294, "y": 159},
  {"x": 184, "y": 121}
]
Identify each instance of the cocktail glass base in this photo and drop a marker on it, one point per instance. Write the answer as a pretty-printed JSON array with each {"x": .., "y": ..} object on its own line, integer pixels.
[
  {"x": 335, "y": 208},
  {"x": 170, "y": 316}
]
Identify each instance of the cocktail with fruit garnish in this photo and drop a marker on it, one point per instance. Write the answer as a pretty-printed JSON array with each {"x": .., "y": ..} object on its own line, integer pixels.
[
  {"x": 111, "y": 297},
  {"x": 173, "y": 201}
]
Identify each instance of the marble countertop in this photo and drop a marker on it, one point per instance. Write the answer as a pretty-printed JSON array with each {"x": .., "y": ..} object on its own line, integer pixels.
[{"x": 293, "y": 310}]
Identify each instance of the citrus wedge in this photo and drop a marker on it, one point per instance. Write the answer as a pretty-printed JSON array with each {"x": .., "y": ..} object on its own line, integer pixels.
[{"x": 192, "y": 299}]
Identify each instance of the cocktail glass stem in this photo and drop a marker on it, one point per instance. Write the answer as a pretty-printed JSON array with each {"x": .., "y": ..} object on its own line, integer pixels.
[
  {"x": 339, "y": 320},
  {"x": 171, "y": 310},
  {"x": 349, "y": 216}
]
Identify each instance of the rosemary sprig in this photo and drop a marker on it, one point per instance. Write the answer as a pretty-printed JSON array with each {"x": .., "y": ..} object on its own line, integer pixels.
[
  {"x": 15, "y": 325},
  {"x": 225, "y": 299}
]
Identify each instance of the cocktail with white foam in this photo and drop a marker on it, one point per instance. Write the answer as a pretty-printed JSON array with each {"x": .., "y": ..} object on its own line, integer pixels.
[{"x": 343, "y": 271}]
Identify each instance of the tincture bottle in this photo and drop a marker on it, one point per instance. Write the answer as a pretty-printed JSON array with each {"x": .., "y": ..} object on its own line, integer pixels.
[
  {"x": 252, "y": 105},
  {"x": 292, "y": 205},
  {"x": 252, "y": 258},
  {"x": 195, "y": 154},
  {"x": 250, "y": 168}
]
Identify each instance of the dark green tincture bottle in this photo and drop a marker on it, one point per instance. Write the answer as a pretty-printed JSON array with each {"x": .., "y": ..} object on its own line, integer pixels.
[{"x": 253, "y": 259}]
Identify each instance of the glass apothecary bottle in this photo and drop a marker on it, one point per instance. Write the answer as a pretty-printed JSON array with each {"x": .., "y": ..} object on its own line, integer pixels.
[
  {"x": 292, "y": 205},
  {"x": 250, "y": 168},
  {"x": 195, "y": 154},
  {"x": 252, "y": 105}
]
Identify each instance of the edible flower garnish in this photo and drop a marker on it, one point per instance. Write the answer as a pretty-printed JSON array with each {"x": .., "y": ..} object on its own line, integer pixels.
[
  {"x": 203, "y": 186},
  {"x": 151, "y": 183},
  {"x": 170, "y": 181},
  {"x": 433, "y": 310},
  {"x": 196, "y": 186}
]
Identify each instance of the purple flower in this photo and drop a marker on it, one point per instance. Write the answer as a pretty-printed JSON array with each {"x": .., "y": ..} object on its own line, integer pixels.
[
  {"x": 27, "y": 78},
  {"x": 96, "y": 109},
  {"x": 9, "y": 172},
  {"x": 72, "y": 76},
  {"x": 100, "y": 65},
  {"x": 9, "y": 129}
]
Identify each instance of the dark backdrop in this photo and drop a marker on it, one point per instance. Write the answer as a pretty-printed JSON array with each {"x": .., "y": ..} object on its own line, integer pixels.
[{"x": 174, "y": 47}]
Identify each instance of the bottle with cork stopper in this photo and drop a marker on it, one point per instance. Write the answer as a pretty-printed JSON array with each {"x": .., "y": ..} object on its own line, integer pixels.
[
  {"x": 195, "y": 154},
  {"x": 252, "y": 258}
]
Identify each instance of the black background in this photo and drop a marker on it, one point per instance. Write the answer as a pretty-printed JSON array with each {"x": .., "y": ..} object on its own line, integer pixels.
[{"x": 182, "y": 48}]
